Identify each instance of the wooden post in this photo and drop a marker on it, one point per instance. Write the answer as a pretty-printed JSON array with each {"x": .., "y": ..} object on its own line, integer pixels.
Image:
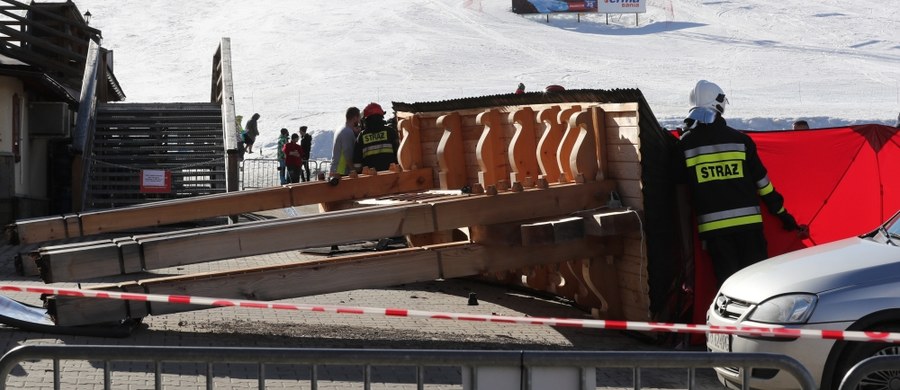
[
  {"x": 410, "y": 153},
  {"x": 450, "y": 152},
  {"x": 564, "y": 150},
  {"x": 550, "y": 140},
  {"x": 491, "y": 151},
  {"x": 522, "y": 156}
]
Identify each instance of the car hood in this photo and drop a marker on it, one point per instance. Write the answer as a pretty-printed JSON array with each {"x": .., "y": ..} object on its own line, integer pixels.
[{"x": 852, "y": 261}]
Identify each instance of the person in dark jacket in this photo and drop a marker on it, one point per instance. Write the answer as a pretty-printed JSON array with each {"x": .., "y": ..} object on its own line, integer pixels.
[
  {"x": 377, "y": 144},
  {"x": 727, "y": 180},
  {"x": 292, "y": 152},
  {"x": 306, "y": 145},
  {"x": 251, "y": 131}
]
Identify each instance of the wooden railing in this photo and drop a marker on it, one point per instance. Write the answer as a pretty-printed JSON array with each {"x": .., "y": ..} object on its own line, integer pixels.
[
  {"x": 223, "y": 93},
  {"x": 27, "y": 34}
]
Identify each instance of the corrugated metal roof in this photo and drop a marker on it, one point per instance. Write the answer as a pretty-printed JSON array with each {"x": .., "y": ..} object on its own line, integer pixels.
[{"x": 647, "y": 119}]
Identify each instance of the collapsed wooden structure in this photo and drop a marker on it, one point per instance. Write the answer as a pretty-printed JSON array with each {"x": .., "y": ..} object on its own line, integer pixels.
[{"x": 527, "y": 186}]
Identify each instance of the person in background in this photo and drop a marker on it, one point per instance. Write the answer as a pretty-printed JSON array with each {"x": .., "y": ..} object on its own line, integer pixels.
[
  {"x": 376, "y": 144},
  {"x": 520, "y": 89},
  {"x": 251, "y": 132},
  {"x": 344, "y": 143},
  {"x": 726, "y": 180},
  {"x": 306, "y": 145},
  {"x": 292, "y": 158},
  {"x": 283, "y": 139},
  {"x": 800, "y": 125}
]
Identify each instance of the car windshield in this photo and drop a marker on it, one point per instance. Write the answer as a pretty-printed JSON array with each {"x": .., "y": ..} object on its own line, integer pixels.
[
  {"x": 893, "y": 225},
  {"x": 891, "y": 230}
]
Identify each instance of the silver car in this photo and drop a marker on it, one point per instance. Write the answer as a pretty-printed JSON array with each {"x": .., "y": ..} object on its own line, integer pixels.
[{"x": 852, "y": 284}]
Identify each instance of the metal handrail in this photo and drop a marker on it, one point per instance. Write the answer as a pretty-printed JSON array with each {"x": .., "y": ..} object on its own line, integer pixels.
[
  {"x": 853, "y": 379},
  {"x": 86, "y": 121},
  {"x": 525, "y": 360}
]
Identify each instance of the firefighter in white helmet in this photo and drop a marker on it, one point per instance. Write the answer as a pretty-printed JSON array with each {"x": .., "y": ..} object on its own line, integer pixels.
[{"x": 726, "y": 180}]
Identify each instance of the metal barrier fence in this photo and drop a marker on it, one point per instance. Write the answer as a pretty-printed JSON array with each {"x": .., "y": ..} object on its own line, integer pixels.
[
  {"x": 263, "y": 172},
  {"x": 877, "y": 372},
  {"x": 522, "y": 368}
]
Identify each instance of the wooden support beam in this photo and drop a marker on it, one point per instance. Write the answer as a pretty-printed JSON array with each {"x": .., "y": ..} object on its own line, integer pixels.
[
  {"x": 549, "y": 143},
  {"x": 450, "y": 153},
  {"x": 255, "y": 238},
  {"x": 567, "y": 143},
  {"x": 317, "y": 277},
  {"x": 491, "y": 149},
  {"x": 209, "y": 206},
  {"x": 410, "y": 153},
  {"x": 518, "y": 206},
  {"x": 522, "y": 157}
]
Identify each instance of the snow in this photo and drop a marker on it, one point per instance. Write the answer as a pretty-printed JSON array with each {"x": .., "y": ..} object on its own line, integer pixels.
[{"x": 304, "y": 62}]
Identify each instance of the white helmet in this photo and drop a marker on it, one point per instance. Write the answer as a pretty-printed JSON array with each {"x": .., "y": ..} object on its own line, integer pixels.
[{"x": 709, "y": 95}]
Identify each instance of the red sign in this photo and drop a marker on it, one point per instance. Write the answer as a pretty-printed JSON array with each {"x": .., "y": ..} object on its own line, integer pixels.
[{"x": 156, "y": 181}]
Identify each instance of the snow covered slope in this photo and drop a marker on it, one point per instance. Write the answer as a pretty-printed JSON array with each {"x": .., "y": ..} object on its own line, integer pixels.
[{"x": 303, "y": 62}]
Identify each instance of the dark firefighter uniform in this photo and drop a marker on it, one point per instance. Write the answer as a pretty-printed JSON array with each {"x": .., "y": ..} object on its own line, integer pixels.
[
  {"x": 376, "y": 145},
  {"x": 727, "y": 179}
]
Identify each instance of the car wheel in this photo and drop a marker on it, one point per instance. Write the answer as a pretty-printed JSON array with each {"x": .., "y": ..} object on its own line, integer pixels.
[{"x": 856, "y": 352}]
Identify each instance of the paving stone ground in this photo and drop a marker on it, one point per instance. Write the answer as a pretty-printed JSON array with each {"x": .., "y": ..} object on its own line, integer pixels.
[{"x": 234, "y": 327}]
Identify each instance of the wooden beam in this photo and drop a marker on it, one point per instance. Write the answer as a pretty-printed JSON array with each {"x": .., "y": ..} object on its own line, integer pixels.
[
  {"x": 210, "y": 206},
  {"x": 317, "y": 277},
  {"x": 255, "y": 238},
  {"x": 527, "y": 205}
]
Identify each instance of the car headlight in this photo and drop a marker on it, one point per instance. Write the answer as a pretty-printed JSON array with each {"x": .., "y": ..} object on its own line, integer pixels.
[{"x": 785, "y": 309}]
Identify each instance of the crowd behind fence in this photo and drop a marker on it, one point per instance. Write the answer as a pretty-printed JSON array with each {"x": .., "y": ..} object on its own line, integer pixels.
[
  {"x": 263, "y": 172},
  {"x": 470, "y": 368}
]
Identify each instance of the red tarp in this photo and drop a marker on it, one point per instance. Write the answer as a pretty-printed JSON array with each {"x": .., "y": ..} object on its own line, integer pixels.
[{"x": 842, "y": 182}]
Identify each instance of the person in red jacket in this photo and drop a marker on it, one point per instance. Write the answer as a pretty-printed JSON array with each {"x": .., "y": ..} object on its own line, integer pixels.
[{"x": 293, "y": 158}]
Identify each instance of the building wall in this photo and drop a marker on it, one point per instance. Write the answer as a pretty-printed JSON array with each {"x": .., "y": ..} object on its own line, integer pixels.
[
  {"x": 23, "y": 183},
  {"x": 8, "y": 88}
]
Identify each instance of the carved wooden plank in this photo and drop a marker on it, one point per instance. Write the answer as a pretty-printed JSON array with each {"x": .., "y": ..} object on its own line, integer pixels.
[
  {"x": 564, "y": 150},
  {"x": 451, "y": 161},
  {"x": 549, "y": 143},
  {"x": 410, "y": 153},
  {"x": 491, "y": 150},
  {"x": 583, "y": 156},
  {"x": 598, "y": 117},
  {"x": 523, "y": 149}
]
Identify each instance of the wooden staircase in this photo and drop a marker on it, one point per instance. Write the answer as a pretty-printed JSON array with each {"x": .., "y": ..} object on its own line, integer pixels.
[{"x": 182, "y": 138}]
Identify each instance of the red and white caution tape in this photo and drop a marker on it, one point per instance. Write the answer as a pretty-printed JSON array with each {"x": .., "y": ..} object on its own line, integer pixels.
[{"x": 780, "y": 332}]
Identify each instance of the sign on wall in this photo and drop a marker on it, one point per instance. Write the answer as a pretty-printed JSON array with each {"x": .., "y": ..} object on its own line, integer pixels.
[
  {"x": 156, "y": 181},
  {"x": 551, "y": 6},
  {"x": 622, "y": 6}
]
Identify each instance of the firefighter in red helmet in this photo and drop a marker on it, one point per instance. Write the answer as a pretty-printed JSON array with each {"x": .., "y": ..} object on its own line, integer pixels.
[{"x": 377, "y": 143}]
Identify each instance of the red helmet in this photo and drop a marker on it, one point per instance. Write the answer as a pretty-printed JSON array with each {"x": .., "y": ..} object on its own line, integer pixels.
[{"x": 372, "y": 109}]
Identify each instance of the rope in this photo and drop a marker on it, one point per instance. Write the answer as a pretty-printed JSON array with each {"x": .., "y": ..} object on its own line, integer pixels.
[{"x": 132, "y": 168}]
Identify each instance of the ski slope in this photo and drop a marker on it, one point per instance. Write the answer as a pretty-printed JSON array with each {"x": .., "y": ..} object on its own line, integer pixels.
[{"x": 304, "y": 62}]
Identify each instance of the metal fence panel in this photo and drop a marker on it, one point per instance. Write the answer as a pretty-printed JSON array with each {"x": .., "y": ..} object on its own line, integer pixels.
[{"x": 473, "y": 363}]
